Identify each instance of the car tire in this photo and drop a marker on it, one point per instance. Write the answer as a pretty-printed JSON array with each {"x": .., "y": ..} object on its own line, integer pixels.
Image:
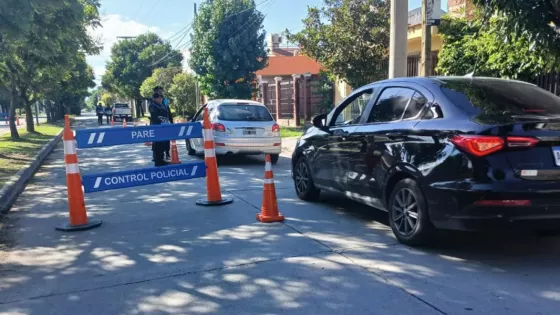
[
  {"x": 190, "y": 150},
  {"x": 408, "y": 214},
  {"x": 547, "y": 233},
  {"x": 274, "y": 158},
  {"x": 303, "y": 182}
]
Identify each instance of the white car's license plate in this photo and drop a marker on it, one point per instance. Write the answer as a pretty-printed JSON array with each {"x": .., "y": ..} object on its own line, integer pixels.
[
  {"x": 249, "y": 132},
  {"x": 556, "y": 153}
]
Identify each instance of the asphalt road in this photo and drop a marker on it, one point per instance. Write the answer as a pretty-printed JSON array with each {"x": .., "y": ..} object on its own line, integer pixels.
[{"x": 159, "y": 253}]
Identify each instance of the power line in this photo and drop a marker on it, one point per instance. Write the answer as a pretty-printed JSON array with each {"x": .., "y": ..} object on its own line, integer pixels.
[
  {"x": 151, "y": 9},
  {"x": 252, "y": 22},
  {"x": 192, "y": 23}
]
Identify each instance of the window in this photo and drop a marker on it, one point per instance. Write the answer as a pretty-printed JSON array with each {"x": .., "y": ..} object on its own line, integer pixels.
[
  {"x": 243, "y": 113},
  {"x": 352, "y": 111},
  {"x": 391, "y": 105},
  {"x": 500, "y": 98},
  {"x": 415, "y": 106}
]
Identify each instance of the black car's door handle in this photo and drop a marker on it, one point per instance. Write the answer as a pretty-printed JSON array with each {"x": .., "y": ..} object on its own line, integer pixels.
[{"x": 393, "y": 135}]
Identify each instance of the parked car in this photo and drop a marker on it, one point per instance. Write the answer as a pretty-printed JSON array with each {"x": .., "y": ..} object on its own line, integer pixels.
[
  {"x": 122, "y": 111},
  {"x": 240, "y": 127},
  {"x": 440, "y": 153}
]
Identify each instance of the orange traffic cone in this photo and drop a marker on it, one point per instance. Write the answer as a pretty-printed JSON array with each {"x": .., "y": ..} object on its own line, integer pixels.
[
  {"x": 214, "y": 193},
  {"x": 76, "y": 203},
  {"x": 269, "y": 209},
  {"x": 124, "y": 122},
  {"x": 112, "y": 121},
  {"x": 17, "y": 120},
  {"x": 174, "y": 153}
]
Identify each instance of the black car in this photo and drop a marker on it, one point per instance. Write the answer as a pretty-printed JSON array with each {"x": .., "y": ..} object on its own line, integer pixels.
[{"x": 440, "y": 153}]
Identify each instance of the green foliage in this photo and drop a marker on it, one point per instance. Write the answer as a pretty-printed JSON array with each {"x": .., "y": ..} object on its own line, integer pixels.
[
  {"x": 183, "y": 94},
  {"x": 529, "y": 18},
  {"x": 350, "y": 38},
  {"x": 228, "y": 47},
  {"x": 132, "y": 61},
  {"x": 42, "y": 53},
  {"x": 108, "y": 99},
  {"x": 161, "y": 77},
  {"x": 479, "y": 46}
]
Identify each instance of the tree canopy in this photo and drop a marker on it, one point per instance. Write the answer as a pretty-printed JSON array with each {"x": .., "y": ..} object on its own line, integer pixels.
[
  {"x": 179, "y": 87},
  {"x": 228, "y": 47},
  {"x": 350, "y": 38},
  {"x": 134, "y": 60},
  {"x": 538, "y": 20},
  {"x": 42, "y": 47},
  {"x": 478, "y": 46}
]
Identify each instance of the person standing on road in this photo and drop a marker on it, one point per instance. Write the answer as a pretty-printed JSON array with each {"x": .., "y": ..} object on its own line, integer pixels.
[
  {"x": 159, "y": 90},
  {"x": 99, "y": 113},
  {"x": 108, "y": 113},
  {"x": 159, "y": 115}
]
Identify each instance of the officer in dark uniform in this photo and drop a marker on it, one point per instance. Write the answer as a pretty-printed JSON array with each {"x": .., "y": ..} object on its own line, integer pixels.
[
  {"x": 159, "y": 90},
  {"x": 99, "y": 112},
  {"x": 159, "y": 115}
]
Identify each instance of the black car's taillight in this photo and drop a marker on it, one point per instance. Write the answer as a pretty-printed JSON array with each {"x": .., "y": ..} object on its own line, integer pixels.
[{"x": 485, "y": 145}]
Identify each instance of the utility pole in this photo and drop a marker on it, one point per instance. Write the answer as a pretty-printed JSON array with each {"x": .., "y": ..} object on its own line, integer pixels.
[
  {"x": 431, "y": 16},
  {"x": 426, "y": 50},
  {"x": 398, "y": 38}
]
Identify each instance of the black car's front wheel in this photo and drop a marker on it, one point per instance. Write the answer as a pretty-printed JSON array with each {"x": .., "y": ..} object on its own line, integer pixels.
[
  {"x": 408, "y": 214},
  {"x": 190, "y": 150},
  {"x": 303, "y": 182}
]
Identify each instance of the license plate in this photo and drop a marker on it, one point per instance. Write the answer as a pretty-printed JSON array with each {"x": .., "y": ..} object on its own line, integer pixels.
[
  {"x": 556, "y": 153},
  {"x": 249, "y": 132}
]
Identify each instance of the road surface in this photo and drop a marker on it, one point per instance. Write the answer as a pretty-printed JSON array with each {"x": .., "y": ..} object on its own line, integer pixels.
[{"x": 159, "y": 253}]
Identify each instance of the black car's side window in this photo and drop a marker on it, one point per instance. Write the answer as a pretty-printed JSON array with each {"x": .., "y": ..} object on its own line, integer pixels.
[
  {"x": 415, "y": 106},
  {"x": 391, "y": 105},
  {"x": 353, "y": 110}
]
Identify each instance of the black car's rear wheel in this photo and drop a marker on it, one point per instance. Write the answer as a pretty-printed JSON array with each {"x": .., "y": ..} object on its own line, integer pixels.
[
  {"x": 274, "y": 158},
  {"x": 408, "y": 214},
  {"x": 303, "y": 181}
]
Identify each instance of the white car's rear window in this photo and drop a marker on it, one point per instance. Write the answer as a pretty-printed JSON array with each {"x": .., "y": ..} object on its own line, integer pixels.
[
  {"x": 121, "y": 105},
  {"x": 239, "y": 112}
]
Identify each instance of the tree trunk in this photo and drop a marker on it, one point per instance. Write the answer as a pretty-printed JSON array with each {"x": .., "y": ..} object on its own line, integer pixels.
[
  {"x": 29, "y": 116},
  {"x": 13, "y": 128}
]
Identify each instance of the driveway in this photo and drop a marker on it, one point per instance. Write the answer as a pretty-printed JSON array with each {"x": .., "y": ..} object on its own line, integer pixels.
[{"x": 158, "y": 253}]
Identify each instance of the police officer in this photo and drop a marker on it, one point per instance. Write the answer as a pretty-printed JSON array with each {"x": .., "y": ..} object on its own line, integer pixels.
[
  {"x": 99, "y": 113},
  {"x": 159, "y": 115},
  {"x": 159, "y": 90},
  {"x": 108, "y": 113}
]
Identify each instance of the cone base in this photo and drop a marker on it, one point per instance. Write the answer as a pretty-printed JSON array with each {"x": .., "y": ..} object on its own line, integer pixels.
[
  {"x": 270, "y": 219},
  {"x": 178, "y": 162},
  {"x": 206, "y": 203},
  {"x": 82, "y": 227}
]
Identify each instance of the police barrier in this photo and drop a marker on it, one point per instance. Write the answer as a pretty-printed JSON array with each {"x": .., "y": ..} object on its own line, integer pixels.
[
  {"x": 140, "y": 177},
  {"x": 102, "y": 137}
]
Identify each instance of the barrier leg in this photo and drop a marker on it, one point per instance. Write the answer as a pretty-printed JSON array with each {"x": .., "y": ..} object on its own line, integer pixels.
[
  {"x": 213, "y": 190},
  {"x": 76, "y": 203}
]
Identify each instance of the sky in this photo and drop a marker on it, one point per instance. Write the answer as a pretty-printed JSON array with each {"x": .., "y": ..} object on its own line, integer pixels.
[{"x": 167, "y": 17}]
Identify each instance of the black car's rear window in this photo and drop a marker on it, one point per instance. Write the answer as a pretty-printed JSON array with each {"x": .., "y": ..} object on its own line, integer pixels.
[
  {"x": 480, "y": 97},
  {"x": 239, "y": 112},
  {"x": 121, "y": 105}
]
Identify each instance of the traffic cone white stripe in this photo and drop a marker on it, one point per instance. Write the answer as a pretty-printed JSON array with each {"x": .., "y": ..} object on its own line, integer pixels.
[
  {"x": 208, "y": 134},
  {"x": 69, "y": 147},
  {"x": 268, "y": 166},
  {"x": 209, "y": 153},
  {"x": 72, "y": 168},
  {"x": 269, "y": 180}
]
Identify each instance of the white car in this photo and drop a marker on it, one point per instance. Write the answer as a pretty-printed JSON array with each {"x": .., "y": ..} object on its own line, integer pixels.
[
  {"x": 240, "y": 127},
  {"x": 122, "y": 111}
]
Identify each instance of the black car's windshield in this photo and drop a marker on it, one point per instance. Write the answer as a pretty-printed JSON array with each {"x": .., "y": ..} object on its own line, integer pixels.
[
  {"x": 236, "y": 112},
  {"x": 485, "y": 98}
]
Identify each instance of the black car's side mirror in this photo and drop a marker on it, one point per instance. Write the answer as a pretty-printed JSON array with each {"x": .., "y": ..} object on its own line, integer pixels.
[{"x": 319, "y": 121}]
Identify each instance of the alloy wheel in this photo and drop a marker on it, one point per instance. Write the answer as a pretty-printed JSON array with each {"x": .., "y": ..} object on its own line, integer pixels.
[
  {"x": 302, "y": 178},
  {"x": 405, "y": 212}
]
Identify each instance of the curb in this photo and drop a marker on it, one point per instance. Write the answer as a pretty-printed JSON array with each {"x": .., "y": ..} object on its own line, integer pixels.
[{"x": 15, "y": 186}]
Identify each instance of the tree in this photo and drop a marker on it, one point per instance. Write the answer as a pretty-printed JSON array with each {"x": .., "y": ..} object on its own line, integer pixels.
[
  {"x": 183, "y": 94},
  {"x": 44, "y": 44},
  {"x": 108, "y": 99},
  {"x": 478, "y": 46},
  {"x": 350, "y": 38},
  {"x": 132, "y": 61},
  {"x": 161, "y": 77},
  {"x": 538, "y": 20},
  {"x": 228, "y": 47}
]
